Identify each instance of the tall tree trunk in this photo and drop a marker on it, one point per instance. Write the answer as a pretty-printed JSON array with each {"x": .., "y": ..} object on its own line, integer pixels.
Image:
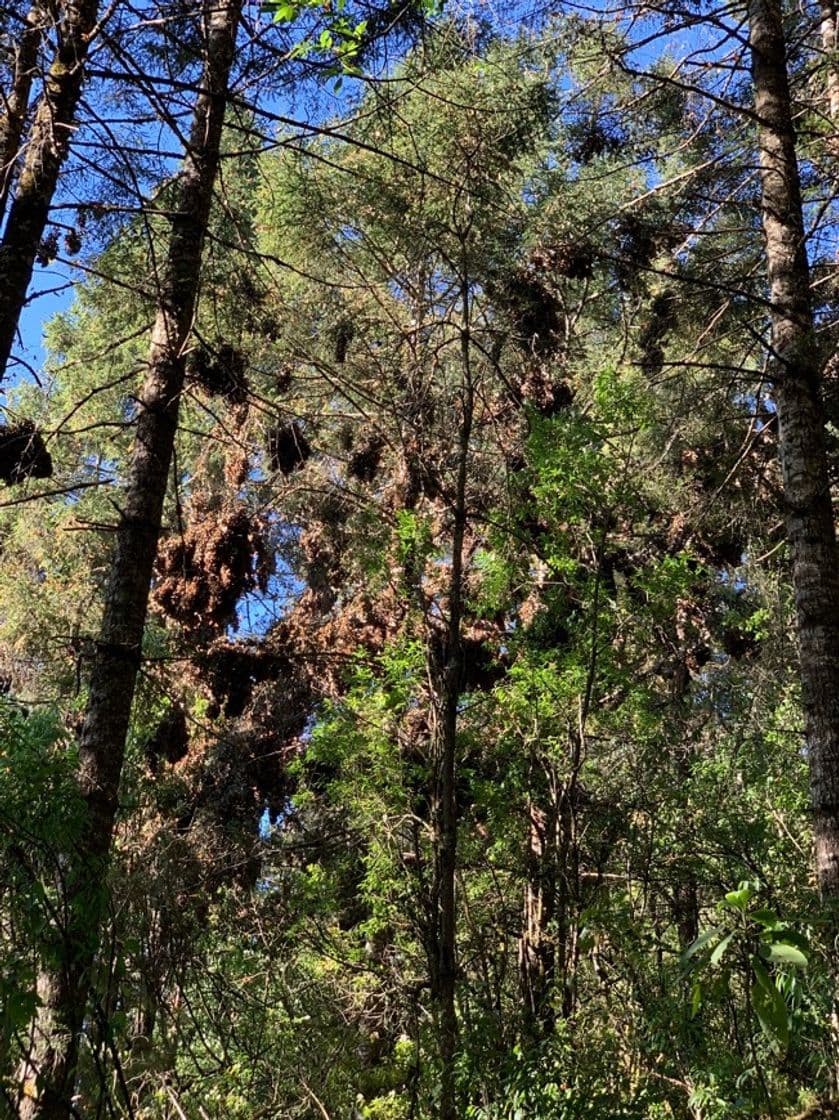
[
  {"x": 829, "y": 32},
  {"x": 16, "y": 101},
  {"x": 538, "y": 941},
  {"x": 46, "y": 149},
  {"x": 447, "y": 675},
  {"x": 444, "y": 817},
  {"x": 801, "y": 421},
  {"x": 102, "y": 746},
  {"x": 810, "y": 524}
]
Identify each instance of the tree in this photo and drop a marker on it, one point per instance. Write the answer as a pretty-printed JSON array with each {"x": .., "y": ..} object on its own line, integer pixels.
[
  {"x": 64, "y": 993},
  {"x": 796, "y": 377},
  {"x": 46, "y": 148},
  {"x": 468, "y": 586}
]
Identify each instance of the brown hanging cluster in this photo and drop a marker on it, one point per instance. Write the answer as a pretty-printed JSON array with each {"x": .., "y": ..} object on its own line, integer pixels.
[
  {"x": 236, "y": 466},
  {"x": 23, "y": 453},
  {"x": 530, "y": 297},
  {"x": 222, "y": 373},
  {"x": 343, "y": 336},
  {"x": 47, "y": 248},
  {"x": 231, "y": 670},
  {"x": 544, "y": 391},
  {"x": 661, "y": 318},
  {"x": 535, "y": 312},
  {"x": 202, "y": 574},
  {"x": 323, "y": 644},
  {"x": 288, "y": 449},
  {"x": 169, "y": 742},
  {"x": 364, "y": 462},
  {"x": 637, "y": 245},
  {"x": 593, "y": 139},
  {"x": 483, "y": 664},
  {"x": 640, "y": 237},
  {"x": 572, "y": 258}
]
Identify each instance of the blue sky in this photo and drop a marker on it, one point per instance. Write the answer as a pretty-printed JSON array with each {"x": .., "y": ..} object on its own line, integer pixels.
[{"x": 51, "y": 292}]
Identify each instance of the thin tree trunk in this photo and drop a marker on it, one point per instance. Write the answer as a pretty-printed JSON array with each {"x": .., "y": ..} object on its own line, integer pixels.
[
  {"x": 16, "y": 101},
  {"x": 448, "y": 676},
  {"x": 46, "y": 149},
  {"x": 537, "y": 945},
  {"x": 102, "y": 746},
  {"x": 796, "y": 376},
  {"x": 829, "y": 32},
  {"x": 444, "y": 816}
]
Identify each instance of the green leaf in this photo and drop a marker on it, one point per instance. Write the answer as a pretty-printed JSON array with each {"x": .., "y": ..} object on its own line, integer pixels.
[
  {"x": 695, "y": 998},
  {"x": 285, "y": 11},
  {"x": 764, "y": 917},
  {"x": 702, "y": 942},
  {"x": 762, "y": 977},
  {"x": 301, "y": 50},
  {"x": 788, "y": 937},
  {"x": 740, "y": 898},
  {"x": 787, "y": 954},
  {"x": 769, "y": 1007},
  {"x": 719, "y": 952}
]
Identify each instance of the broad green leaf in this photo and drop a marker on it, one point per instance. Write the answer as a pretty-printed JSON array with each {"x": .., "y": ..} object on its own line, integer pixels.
[
  {"x": 702, "y": 942},
  {"x": 787, "y": 954},
  {"x": 762, "y": 977},
  {"x": 764, "y": 917},
  {"x": 740, "y": 898},
  {"x": 788, "y": 937},
  {"x": 719, "y": 952},
  {"x": 769, "y": 1007}
]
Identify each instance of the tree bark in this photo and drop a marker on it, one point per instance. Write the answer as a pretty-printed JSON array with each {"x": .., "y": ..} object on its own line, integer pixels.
[
  {"x": 118, "y": 651},
  {"x": 16, "y": 101},
  {"x": 796, "y": 377},
  {"x": 46, "y": 150},
  {"x": 829, "y": 32},
  {"x": 447, "y": 675},
  {"x": 538, "y": 942},
  {"x": 444, "y": 816}
]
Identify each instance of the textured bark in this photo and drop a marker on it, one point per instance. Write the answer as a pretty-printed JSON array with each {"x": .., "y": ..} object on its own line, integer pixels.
[
  {"x": 16, "y": 101},
  {"x": 537, "y": 945},
  {"x": 102, "y": 746},
  {"x": 447, "y": 675},
  {"x": 548, "y": 943},
  {"x": 829, "y": 31},
  {"x": 796, "y": 376},
  {"x": 46, "y": 149}
]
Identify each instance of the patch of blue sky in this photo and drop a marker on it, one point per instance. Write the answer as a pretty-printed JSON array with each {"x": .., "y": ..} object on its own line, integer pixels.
[
  {"x": 258, "y": 611},
  {"x": 51, "y": 292}
]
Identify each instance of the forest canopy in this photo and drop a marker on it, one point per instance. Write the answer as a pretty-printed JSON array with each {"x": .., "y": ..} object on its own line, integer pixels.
[{"x": 419, "y": 600}]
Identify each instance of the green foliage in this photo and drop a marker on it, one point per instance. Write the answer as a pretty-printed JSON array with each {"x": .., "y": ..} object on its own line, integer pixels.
[
  {"x": 40, "y": 816},
  {"x": 760, "y": 938},
  {"x": 494, "y": 227}
]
